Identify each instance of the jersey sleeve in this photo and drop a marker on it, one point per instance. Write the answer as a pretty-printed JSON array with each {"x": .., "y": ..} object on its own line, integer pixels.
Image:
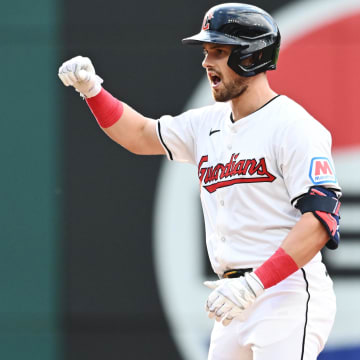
[
  {"x": 305, "y": 158},
  {"x": 177, "y": 135}
]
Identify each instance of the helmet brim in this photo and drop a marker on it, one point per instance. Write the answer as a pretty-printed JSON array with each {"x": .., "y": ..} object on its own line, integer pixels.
[{"x": 211, "y": 37}]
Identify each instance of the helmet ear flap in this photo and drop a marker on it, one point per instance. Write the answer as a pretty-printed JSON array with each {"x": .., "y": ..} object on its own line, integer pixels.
[
  {"x": 254, "y": 63},
  {"x": 242, "y": 64}
]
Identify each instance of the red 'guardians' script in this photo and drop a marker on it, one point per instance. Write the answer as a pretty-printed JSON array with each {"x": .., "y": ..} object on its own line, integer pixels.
[{"x": 233, "y": 172}]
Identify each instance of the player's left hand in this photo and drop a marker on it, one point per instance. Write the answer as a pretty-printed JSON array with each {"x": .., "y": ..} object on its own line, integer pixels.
[{"x": 230, "y": 297}]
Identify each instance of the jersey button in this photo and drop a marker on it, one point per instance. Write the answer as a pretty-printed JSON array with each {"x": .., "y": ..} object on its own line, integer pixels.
[
  {"x": 229, "y": 146},
  {"x": 223, "y": 239},
  {"x": 222, "y": 202}
]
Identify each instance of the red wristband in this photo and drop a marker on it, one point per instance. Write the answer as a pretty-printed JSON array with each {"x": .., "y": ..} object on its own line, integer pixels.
[
  {"x": 277, "y": 268},
  {"x": 106, "y": 109}
]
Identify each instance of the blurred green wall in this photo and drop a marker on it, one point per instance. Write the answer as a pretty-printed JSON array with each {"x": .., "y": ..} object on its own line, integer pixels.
[{"x": 30, "y": 195}]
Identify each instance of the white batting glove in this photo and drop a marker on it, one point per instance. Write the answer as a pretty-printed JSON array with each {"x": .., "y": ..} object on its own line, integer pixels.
[
  {"x": 79, "y": 72},
  {"x": 230, "y": 297}
]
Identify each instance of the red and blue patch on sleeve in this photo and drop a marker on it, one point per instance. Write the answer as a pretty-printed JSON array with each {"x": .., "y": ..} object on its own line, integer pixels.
[{"x": 325, "y": 205}]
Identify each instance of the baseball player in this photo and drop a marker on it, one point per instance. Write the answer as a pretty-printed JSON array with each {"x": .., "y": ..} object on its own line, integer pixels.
[{"x": 269, "y": 191}]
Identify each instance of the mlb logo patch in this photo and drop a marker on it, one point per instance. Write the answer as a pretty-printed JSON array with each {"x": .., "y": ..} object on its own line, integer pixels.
[{"x": 321, "y": 171}]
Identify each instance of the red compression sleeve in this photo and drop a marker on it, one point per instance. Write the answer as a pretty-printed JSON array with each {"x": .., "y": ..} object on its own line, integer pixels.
[
  {"x": 106, "y": 109},
  {"x": 277, "y": 268}
]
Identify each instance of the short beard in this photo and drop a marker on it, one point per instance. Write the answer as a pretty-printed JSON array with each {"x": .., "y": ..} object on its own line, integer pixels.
[{"x": 231, "y": 90}]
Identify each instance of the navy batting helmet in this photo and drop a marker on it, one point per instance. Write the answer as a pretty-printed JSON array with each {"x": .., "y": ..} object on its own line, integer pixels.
[{"x": 252, "y": 30}]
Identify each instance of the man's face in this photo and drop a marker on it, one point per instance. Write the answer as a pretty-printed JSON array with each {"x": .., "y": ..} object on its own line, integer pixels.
[{"x": 225, "y": 83}]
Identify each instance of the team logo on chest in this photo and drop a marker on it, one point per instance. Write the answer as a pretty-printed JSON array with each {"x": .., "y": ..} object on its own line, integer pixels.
[{"x": 234, "y": 172}]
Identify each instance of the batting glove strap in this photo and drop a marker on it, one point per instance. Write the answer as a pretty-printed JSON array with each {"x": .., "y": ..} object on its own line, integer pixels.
[
  {"x": 254, "y": 283},
  {"x": 242, "y": 291}
]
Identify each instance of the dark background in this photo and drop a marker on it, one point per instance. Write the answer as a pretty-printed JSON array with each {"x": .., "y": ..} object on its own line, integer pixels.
[{"x": 111, "y": 303}]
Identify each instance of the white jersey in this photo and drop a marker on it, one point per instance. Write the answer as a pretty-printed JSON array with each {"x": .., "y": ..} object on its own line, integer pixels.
[{"x": 251, "y": 173}]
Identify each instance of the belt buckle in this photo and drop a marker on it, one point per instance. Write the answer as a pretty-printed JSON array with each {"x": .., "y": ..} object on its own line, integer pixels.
[
  {"x": 235, "y": 273},
  {"x": 231, "y": 274}
]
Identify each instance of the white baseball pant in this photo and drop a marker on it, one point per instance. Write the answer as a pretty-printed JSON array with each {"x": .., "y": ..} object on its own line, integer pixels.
[{"x": 291, "y": 320}]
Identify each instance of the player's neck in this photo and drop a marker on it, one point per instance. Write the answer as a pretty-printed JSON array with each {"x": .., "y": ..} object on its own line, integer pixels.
[{"x": 257, "y": 95}]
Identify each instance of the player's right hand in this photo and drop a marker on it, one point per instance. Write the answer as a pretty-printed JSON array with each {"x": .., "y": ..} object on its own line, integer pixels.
[{"x": 79, "y": 72}]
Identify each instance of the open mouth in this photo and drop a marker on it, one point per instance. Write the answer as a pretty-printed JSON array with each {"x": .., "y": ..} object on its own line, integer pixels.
[{"x": 215, "y": 80}]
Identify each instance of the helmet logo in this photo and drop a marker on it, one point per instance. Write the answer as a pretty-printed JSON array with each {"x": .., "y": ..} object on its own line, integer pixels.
[{"x": 207, "y": 18}]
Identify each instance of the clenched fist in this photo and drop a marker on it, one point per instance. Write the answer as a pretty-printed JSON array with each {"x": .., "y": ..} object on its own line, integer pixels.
[{"x": 79, "y": 72}]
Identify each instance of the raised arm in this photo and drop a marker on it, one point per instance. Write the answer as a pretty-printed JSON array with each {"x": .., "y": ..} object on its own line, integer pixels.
[{"x": 119, "y": 121}]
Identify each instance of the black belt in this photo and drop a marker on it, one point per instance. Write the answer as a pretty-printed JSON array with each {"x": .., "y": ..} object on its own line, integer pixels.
[{"x": 235, "y": 273}]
